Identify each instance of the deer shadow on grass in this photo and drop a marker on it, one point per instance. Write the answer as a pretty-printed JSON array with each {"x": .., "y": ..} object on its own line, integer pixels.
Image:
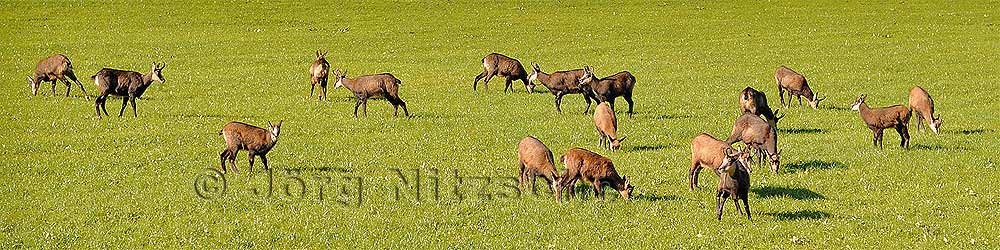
[
  {"x": 766, "y": 192},
  {"x": 972, "y": 131},
  {"x": 802, "y": 130},
  {"x": 800, "y": 215},
  {"x": 672, "y": 116},
  {"x": 936, "y": 147},
  {"x": 813, "y": 164},
  {"x": 836, "y": 108},
  {"x": 656, "y": 197},
  {"x": 652, "y": 147}
]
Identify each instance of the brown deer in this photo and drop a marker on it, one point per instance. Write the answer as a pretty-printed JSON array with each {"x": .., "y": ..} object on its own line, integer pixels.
[
  {"x": 922, "y": 104},
  {"x": 708, "y": 151},
  {"x": 594, "y": 169},
  {"x": 796, "y": 85},
  {"x": 364, "y": 87},
  {"x": 608, "y": 88},
  {"x": 127, "y": 84},
  {"x": 52, "y": 68},
  {"x": 607, "y": 127},
  {"x": 758, "y": 135},
  {"x": 496, "y": 64},
  {"x": 255, "y": 140},
  {"x": 878, "y": 119},
  {"x": 561, "y": 83},
  {"x": 535, "y": 159},
  {"x": 755, "y": 102},
  {"x": 320, "y": 72},
  {"x": 734, "y": 181}
]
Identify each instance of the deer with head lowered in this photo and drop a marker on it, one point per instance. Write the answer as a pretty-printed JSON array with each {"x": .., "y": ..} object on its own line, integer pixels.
[
  {"x": 922, "y": 104},
  {"x": 127, "y": 84},
  {"x": 755, "y": 102},
  {"x": 496, "y": 64},
  {"x": 758, "y": 135},
  {"x": 319, "y": 72},
  {"x": 50, "y": 69},
  {"x": 561, "y": 83},
  {"x": 608, "y": 88},
  {"x": 365, "y": 87},
  {"x": 879, "y": 119},
  {"x": 796, "y": 85}
]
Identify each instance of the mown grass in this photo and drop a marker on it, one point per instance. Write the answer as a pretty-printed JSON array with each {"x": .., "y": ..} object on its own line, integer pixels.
[{"x": 69, "y": 180}]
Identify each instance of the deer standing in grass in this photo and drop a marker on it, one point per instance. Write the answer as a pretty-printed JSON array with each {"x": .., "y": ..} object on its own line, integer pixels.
[
  {"x": 561, "y": 83},
  {"x": 608, "y": 88},
  {"x": 255, "y": 140},
  {"x": 594, "y": 169},
  {"x": 365, "y": 87},
  {"x": 535, "y": 160},
  {"x": 734, "y": 182},
  {"x": 758, "y": 135},
  {"x": 52, "y": 68},
  {"x": 796, "y": 85},
  {"x": 127, "y": 84},
  {"x": 755, "y": 102},
  {"x": 320, "y": 73},
  {"x": 879, "y": 119},
  {"x": 922, "y": 104},
  {"x": 496, "y": 64},
  {"x": 710, "y": 152}
]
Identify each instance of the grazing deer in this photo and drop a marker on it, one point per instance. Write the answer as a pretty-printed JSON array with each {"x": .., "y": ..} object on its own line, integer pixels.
[
  {"x": 594, "y": 169},
  {"x": 561, "y": 83},
  {"x": 922, "y": 104},
  {"x": 319, "y": 71},
  {"x": 535, "y": 159},
  {"x": 757, "y": 134},
  {"x": 796, "y": 85},
  {"x": 496, "y": 64},
  {"x": 127, "y": 84},
  {"x": 364, "y": 87},
  {"x": 895, "y": 116},
  {"x": 608, "y": 88},
  {"x": 734, "y": 181},
  {"x": 755, "y": 102},
  {"x": 52, "y": 68},
  {"x": 255, "y": 140},
  {"x": 607, "y": 126},
  {"x": 708, "y": 151}
]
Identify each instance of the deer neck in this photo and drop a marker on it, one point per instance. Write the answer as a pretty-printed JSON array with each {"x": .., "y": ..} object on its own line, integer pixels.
[
  {"x": 147, "y": 79},
  {"x": 543, "y": 78},
  {"x": 616, "y": 182},
  {"x": 350, "y": 84}
]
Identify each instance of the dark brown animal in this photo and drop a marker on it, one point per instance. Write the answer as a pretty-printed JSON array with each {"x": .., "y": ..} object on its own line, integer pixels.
[
  {"x": 364, "y": 87},
  {"x": 561, "y": 83},
  {"x": 608, "y": 88},
  {"x": 708, "y": 151},
  {"x": 320, "y": 73},
  {"x": 755, "y": 102},
  {"x": 127, "y": 84},
  {"x": 496, "y": 64},
  {"x": 758, "y": 135},
  {"x": 734, "y": 181},
  {"x": 895, "y": 116},
  {"x": 255, "y": 140},
  {"x": 55, "y": 67},
  {"x": 594, "y": 169},
  {"x": 535, "y": 159},
  {"x": 922, "y": 104},
  {"x": 796, "y": 85},
  {"x": 607, "y": 127}
]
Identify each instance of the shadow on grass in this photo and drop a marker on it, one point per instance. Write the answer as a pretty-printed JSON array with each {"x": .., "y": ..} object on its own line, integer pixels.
[
  {"x": 800, "y": 215},
  {"x": 935, "y": 147},
  {"x": 832, "y": 107},
  {"x": 794, "y": 193},
  {"x": 973, "y": 131},
  {"x": 431, "y": 116},
  {"x": 214, "y": 116},
  {"x": 802, "y": 130},
  {"x": 650, "y": 147},
  {"x": 655, "y": 197},
  {"x": 813, "y": 164},
  {"x": 672, "y": 116}
]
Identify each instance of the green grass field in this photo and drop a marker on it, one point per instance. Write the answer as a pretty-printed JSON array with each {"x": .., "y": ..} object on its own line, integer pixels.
[{"x": 69, "y": 180}]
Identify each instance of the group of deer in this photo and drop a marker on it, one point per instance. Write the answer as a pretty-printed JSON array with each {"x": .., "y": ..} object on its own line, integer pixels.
[
  {"x": 536, "y": 160},
  {"x": 898, "y": 116},
  {"x": 364, "y": 87},
  {"x": 127, "y": 84}
]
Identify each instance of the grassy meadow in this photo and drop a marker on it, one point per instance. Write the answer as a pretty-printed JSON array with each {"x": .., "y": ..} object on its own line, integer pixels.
[{"x": 68, "y": 180}]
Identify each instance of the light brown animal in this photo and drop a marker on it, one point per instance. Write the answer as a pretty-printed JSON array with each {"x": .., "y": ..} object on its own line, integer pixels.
[
  {"x": 255, "y": 140},
  {"x": 127, "y": 84},
  {"x": 52, "y": 68},
  {"x": 319, "y": 71},
  {"x": 922, "y": 104},
  {"x": 364, "y": 87},
  {"x": 796, "y": 85},
  {"x": 535, "y": 159},
  {"x": 607, "y": 127},
  {"x": 594, "y": 169},
  {"x": 561, "y": 83},
  {"x": 608, "y": 88},
  {"x": 710, "y": 152},
  {"x": 755, "y": 102},
  {"x": 758, "y": 135},
  {"x": 895, "y": 116},
  {"x": 734, "y": 181},
  {"x": 496, "y": 64}
]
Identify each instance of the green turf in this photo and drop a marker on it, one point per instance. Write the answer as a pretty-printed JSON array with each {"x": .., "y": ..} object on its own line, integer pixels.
[{"x": 69, "y": 180}]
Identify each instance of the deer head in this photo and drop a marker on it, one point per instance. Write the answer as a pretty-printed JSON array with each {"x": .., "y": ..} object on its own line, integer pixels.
[
  {"x": 275, "y": 130},
  {"x": 33, "y": 85},
  {"x": 814, "y": 103},
  {"x": 157, "y": 72},
  {"x": 935, "y": 123},
  {"x": 616, "y": 143},
  {"x": 587, "y": 77},
  {"x": 627, "y": 188},
  {"x": 857, "y": 103},
  {"x": 533, "y": 76},
  {"x": 340, "y": 75}
]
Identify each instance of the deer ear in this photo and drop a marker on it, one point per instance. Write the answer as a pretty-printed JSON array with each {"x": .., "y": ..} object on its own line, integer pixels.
[{"x": 280, "y": 122}]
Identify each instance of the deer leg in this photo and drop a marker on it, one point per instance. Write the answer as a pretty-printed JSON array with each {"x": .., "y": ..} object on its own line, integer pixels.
[
  {"x": 232, "y": 159},
  {"x": 736, "y": 203},
  {"x": 781, "y": 96},
  {"x": 263, "y": 159},
  {"x": 587, "y": 99},
  {"x": 68, "y": 85},
  {"x": 402, "y": 103},
  {"x": 395, "y": 105},
  {"x": 746, "y": 206},
  {"x": 364, "y": 106},
  {"x": 800, "y": 100},
  {"x": 597, "y": 190},
  {"x": 132, "y": 100},
  {"x": 486, "y": 83},
  {"x": 508, "y": 85},
  {"x": 534, "y": 187},
  {"x": 322, "y": 85},
  {"x": 53, "y": 87},
  {"x": 250, "y": 156},
  {"x": 904, "y": 136},
  {"x": 693, "y": 175},
  {"x": 97, "y": 105},
  {"x": 312, "y": 87},
  {"x": 124, "y": 104},
  {"x": 356, "y": 105},
  {"x": 520, "y": 176},
  {"x": 720, "y": 200},
  {"x": 222, "y": 159},
  {"x": 628, "y": 99},
  {"x": 878, "y": 137},
  {"x": 72, "y": 76},
  {"x": 528, "y": 86},
  {"x": 480, "y": 76},
  {"x": 559, "y": 96}
]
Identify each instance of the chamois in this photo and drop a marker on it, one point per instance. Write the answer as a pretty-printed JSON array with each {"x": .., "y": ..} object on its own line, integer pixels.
[
  {"x": 734, "y": 181},
  {"x": 594, "y": 169},
  {"x": 535, "y": 159},
  {"x": 708, "y": 151},
  {"x": 364, "y": 87},
  {"x": 796, "y": 85},
  {"x": 127, "y": 84},
  {"x": 52, "y": 68},
  {"x": 496, "y": 64},
  {"x": 320, "y": 73},
  {"x": 757, "y": 134},
  {"x": 561, "y": 83},
  {"x": 608, "y": 88},
  {"x": 895, "y": 116},
  {"x": 755, "y": 102},
  {"x": 255, "y": 140},
  {"x": 607, "y": 127},
  {"x": 922, "y": 104}
]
